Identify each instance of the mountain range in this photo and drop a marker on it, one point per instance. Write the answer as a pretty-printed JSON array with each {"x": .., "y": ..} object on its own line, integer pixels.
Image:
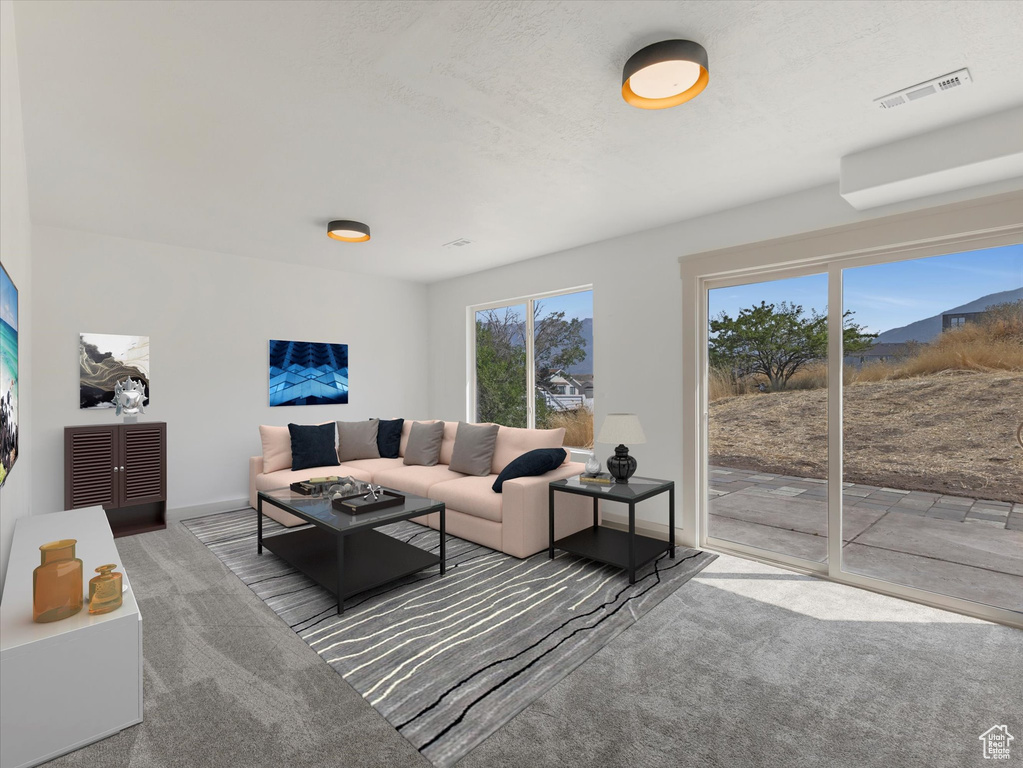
[{"x": 930, "y": 328}]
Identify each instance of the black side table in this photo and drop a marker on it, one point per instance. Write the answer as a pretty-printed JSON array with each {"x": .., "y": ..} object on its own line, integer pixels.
[{"x": 630, "y": 551}]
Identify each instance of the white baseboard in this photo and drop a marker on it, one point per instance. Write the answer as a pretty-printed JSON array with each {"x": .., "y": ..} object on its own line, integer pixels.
[{"x": 183, "y": 513}]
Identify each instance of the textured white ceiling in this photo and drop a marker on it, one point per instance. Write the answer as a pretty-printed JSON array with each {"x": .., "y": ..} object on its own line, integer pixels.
[{"x": 244, "y": 127}]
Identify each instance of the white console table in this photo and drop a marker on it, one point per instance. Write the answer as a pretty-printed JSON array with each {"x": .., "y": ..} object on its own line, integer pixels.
[{"x": 72, "y": 682}]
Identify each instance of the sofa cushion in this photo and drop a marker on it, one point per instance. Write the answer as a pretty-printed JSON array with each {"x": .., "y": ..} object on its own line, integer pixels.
[
  {"x": 512, "y": 442},
  {"x": 369, "y": 466},
  {"x": 415, "y": 479},
  {"x": 447, "y": 445},
  {"x": 471, "y": 496},
  {"x": 357, "y": 440},
  {"x": 423, "y": 446},
  {"x": 474, "y": 448},
  {"x": 276, "y": 447},
  {"x": 389, "y": 437},
  {"x": 406, "y": 430},
  {"x": 531, "y": 464},
  {"x": 312, "y": 445}
]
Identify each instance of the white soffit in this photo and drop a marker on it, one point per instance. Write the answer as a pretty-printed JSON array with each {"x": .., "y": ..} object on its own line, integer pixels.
[{"x": 979, "y": 151}]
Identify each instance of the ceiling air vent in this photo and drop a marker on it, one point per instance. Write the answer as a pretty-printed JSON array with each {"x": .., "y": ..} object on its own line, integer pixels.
[
  {"x": 941, "y": 84},
  {"x": 457, "y": 243}
]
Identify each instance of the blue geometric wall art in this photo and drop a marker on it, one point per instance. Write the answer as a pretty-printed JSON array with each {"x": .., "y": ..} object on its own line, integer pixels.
[{"x": 308, "y": 373}]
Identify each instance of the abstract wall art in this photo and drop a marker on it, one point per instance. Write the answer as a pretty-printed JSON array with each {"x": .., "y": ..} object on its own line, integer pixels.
[
  {"x": 308, "y": 373},
  {"x": 8, "y": 374},
  {"x": 106, "y": 359}
]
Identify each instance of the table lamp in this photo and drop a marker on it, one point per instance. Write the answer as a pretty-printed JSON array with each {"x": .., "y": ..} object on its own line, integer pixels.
[{"x": 621, "y": 428}]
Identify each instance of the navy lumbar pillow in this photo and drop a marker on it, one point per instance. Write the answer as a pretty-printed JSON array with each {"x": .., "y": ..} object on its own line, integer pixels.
[
  {"x": 531, "y": 464},
  {"x": 312, "y": 446},
  {"x": 389, "y": 438}
]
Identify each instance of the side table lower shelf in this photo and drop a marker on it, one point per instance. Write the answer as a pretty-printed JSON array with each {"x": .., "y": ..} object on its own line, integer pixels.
[{"x": 611, "y": 546}]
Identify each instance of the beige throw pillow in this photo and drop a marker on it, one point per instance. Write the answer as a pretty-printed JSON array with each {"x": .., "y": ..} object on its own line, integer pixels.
[
  {"x": 357, "y": 440},
  {"x": 474, "y": 448},
  {"x": 424, "y": 444}
]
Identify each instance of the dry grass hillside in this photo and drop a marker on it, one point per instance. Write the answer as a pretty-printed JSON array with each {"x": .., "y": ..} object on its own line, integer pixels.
[{"x": 951, "y": 432}]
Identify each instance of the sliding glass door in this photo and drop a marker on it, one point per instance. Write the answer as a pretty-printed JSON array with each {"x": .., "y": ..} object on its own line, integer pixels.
[
  {"x": 933, "y": 473},
  {"x": 888, "y": 457},
  {"x": 768, "y": 416}
]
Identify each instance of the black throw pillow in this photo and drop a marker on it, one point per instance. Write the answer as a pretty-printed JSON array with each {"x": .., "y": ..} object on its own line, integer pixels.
[
  {"x": 389, "y": 438},
  {"x": 312, "y": 446},
  {"x": 531, "y": 464}
]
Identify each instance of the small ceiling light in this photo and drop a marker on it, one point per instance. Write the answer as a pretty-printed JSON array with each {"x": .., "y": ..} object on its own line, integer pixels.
[
  {"x": 348, "y": 231},
  {"x": 665, "y": 74}
]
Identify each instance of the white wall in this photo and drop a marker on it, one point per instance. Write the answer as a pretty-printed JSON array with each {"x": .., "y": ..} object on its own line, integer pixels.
[
  {"x": 638, "y": 317},
  {"x": 209, "y": 317},
  {"x": 16, "y": 255}
]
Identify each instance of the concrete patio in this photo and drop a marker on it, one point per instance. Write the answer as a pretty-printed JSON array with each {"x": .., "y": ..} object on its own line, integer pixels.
[{"x": 964, "y": 547}]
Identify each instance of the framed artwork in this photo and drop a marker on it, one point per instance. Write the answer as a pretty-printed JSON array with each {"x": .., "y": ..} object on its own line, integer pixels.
[
  {"x": 105, "y": 359},
  {"x": 308, "y": 373},
  {"x": 8, "y": 375}
]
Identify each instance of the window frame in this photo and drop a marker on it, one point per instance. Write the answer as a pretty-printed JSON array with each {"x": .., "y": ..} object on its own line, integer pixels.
[{"x": 529, "y": 300}]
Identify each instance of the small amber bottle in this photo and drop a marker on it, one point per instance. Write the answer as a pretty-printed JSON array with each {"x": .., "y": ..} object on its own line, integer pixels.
[
  {"x": 105, "y": 590},
  {"x": 57, "y": 582}
]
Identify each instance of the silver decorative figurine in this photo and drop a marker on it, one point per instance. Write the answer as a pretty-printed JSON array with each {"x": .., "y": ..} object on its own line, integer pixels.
[{"x": 129, "y": 397}]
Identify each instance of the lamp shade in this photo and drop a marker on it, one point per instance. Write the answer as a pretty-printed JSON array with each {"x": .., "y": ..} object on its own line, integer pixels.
[
  {"x": 621, "y": 428},
  {"x": 665, "y": 74}
]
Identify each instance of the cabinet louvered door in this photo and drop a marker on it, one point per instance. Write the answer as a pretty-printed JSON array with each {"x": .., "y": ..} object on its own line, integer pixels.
[
  {"x": 143, "y": 459},
  {"x": 90, "y": 479}
]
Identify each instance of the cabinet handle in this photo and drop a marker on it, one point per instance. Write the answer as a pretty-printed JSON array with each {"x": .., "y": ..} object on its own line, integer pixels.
[
  {"x": 122, "y": 468},
  {"x": 116, "y": 468}
]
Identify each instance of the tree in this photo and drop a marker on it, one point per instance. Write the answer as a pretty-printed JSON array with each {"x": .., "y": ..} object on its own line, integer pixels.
[
  {"x": 500, "y": 368},
  {"x": 501, "y": 360},
  {"x": 775, "y": 341}
]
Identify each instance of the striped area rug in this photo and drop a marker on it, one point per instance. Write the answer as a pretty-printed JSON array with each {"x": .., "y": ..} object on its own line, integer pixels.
[{"x": 449, "y": 660}]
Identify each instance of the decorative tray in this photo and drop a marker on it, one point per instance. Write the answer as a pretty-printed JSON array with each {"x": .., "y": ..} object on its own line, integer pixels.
[
  {"x": 356, "y": 504},
  {"x": 308, "y": 489}
]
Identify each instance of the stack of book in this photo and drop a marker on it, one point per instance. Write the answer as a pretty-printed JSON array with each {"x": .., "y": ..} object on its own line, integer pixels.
[{"x": 601, "y": 478}]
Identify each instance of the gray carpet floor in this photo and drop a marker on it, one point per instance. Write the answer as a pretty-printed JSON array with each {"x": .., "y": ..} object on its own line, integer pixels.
[{"x": 748, "y": 665}]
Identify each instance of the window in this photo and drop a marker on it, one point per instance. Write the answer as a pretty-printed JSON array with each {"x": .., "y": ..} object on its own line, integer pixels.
[{"x": 541, "y": 345}]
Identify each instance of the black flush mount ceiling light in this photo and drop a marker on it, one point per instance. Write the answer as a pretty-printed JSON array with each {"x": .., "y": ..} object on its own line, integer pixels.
[
  {"x": 665, "y": 74},
  {"x": 348, "y": 231}
]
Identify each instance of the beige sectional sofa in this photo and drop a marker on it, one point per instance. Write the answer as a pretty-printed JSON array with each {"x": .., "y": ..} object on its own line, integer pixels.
[{"x": 514, "y": 521}]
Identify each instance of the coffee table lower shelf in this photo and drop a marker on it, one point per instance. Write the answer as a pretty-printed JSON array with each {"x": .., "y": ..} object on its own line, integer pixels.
[
  {"x": 611, "y": 546},
  {"x": 371, "y": 558}
]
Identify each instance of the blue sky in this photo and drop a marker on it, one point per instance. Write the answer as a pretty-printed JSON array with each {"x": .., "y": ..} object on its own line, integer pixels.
[
  {"x": 572, "y": 304},
  {"x": 886, "y": 296}
]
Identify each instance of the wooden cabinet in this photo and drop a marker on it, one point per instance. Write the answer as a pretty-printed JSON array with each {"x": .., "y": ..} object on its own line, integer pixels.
[{"x": 122, "y": 467}]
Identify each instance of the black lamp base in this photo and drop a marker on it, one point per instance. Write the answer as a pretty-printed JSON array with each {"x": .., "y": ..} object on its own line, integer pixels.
[{"x": 621, "y": 466}]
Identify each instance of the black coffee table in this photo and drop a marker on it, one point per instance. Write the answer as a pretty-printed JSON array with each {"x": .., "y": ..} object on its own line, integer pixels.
[
  {"x": 630, "y": 551},
  {"x": 341, "y": 551}
]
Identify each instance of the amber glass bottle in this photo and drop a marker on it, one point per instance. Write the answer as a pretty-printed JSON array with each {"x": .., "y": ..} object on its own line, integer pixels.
[
  {"x": 105, "y": 590},
  {"x": 57, "y": 582}
]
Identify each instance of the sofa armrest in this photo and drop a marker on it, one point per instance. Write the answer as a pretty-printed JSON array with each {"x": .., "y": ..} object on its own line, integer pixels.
[
  {"x": 524, "y": 512},
  {"x": 255, "y": 468}
]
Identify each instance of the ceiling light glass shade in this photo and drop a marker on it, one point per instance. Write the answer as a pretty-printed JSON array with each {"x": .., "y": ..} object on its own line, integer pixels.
[
  {"x": 665, "y": 74},
  {"x": 348, "y": 231}
]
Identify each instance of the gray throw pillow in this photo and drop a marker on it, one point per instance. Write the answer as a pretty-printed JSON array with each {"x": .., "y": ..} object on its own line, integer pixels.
[
  {"x": 474, "y": 448},
  {"x": 357, "y": 440},
  {"x": 424, "y": 443}
]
